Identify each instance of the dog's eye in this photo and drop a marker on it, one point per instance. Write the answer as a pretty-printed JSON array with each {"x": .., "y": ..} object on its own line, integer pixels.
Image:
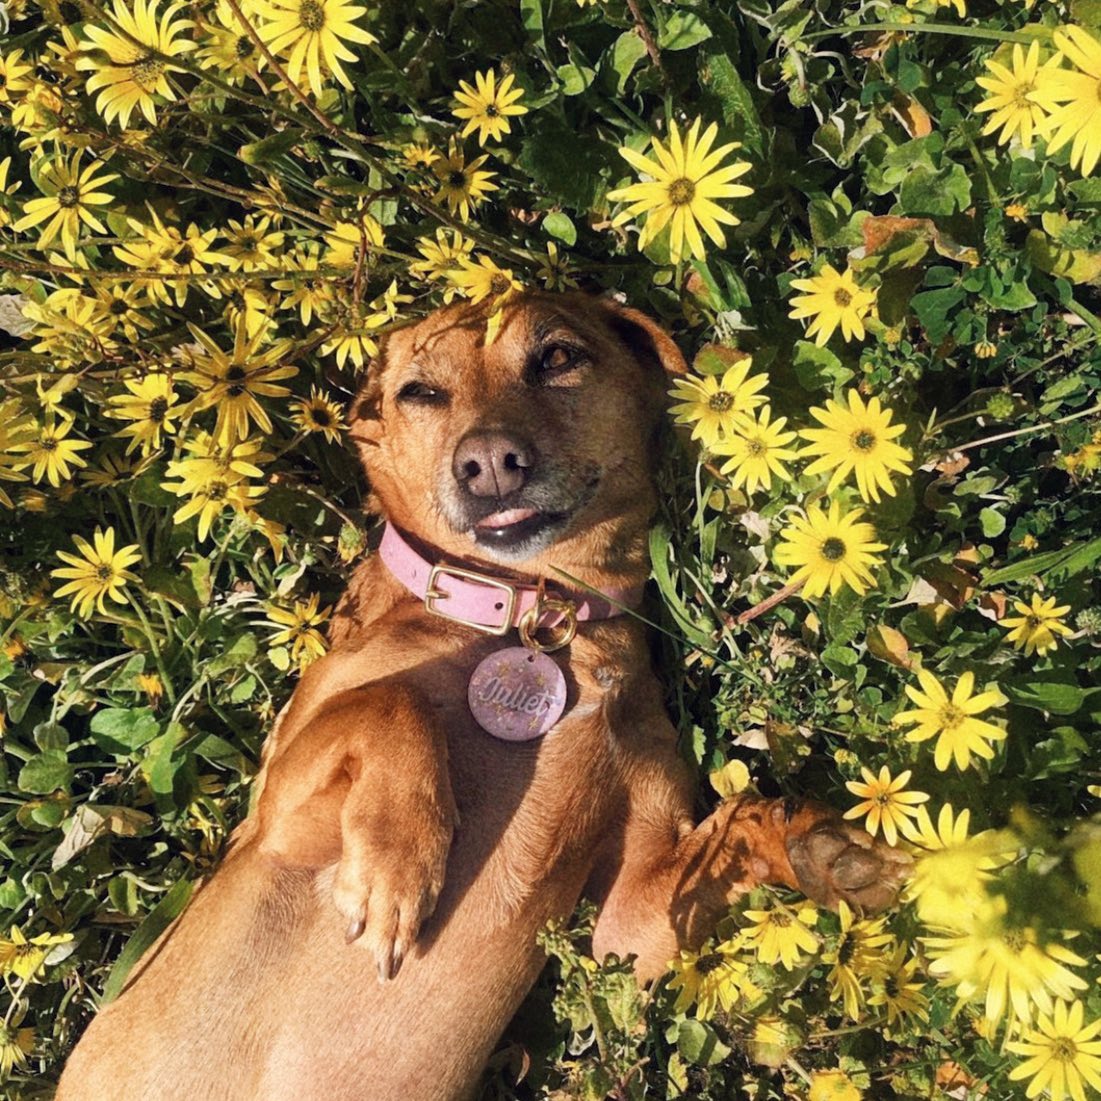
[
  {"x": 557, "y": 359},
  {"x": 422, "y": 394}
]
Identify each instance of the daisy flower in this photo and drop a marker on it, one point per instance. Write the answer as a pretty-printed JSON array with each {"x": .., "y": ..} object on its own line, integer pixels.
[
  {"x": 831, "y": 550},
  {"x": 756, "y": 450},
  {"x": 831, "y": 299},
  {"x": 685, "y": 180},
  {"x": 462, "y": 186},
  {"x": 886, "y": 804},
  {"x": 1037, "y": 626},
  {"x": 1073, "y": 98},
  {"x": 857, "y": 440},
  {"x": 952, "y": 719},
  {"x": 1011, "y": 108},
  {"x": 1062, "y": 1053},
  {"x": 487, "y": 107},
  {"x": 98, "y": 571},
  {"x": 714, "y": 404}
]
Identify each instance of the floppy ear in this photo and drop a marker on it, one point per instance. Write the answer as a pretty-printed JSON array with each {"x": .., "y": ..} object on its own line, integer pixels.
[{"x": 646, "y": 339}]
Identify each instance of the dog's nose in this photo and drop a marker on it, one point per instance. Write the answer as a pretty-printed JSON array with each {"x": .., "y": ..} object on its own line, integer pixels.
[{"x": 492, "y": 463}]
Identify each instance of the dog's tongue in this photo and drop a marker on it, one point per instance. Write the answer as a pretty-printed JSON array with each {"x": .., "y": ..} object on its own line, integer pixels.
[{"x": 506, "y": 518}]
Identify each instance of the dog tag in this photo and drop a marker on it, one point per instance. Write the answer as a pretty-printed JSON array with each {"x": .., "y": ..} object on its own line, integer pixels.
[{"x": 517, "y": 694}]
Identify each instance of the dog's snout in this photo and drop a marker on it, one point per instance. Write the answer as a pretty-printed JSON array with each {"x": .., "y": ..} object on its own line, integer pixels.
[{"x": 492, "y": 463}]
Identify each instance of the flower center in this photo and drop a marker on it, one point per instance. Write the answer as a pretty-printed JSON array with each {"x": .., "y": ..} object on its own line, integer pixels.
[
  {"x": 883, "y": 799},
  {"x": 491, "y": 111},
  {"x": 842, "y": 297},
  {"x": 49, "y": 444},
  {"x": 499, "y": 284},
  {"x": 864, "y": 440},
  {"x": 157, "y": 409},
  {"x": 833, "y": 549},
  {"x": 755, "y": 447},
  {"x": 846, "y": 949},
  {"x": 891, "y": 987},
  {"x": 236, "y": 376},
  {"x": 217, "y": 491},
  {"x": 146, "y": 72},
  {"x": 1015, "y": 940},
  {"x": 780, "y": 919},
  {"x": 243, "y": 47},
  {"x": 118, "y": 307},
  {"x": 1033, "y": 622},
  {"x": 311, "y": 15},
  {"x": 104, "y": 572},
  {"x": 68, "y": 196},
  {"x": 951, "y": 716},
  {"x": 711, "y": 962},
  {"x": 720, "y": 402},
  {"x": 321, "y": 418},
  {"x": 184, "y": 255},
  {"x": 682, "y": 191},
  {"x": 1063, "y": 1048},
  {"x": 456, "y": 179}
]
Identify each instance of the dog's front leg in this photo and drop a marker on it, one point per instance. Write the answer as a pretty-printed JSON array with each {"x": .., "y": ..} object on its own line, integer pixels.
[
  {"x": 668, "y": 893},
  {"x": 365, "y": 785}
]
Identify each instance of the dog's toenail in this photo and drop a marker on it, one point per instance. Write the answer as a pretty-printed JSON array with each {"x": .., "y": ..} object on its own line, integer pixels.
[{"x": 355, "y": 930}]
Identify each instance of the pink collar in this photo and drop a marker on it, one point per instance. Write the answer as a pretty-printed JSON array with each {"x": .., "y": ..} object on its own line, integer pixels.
[{"x": 488, "y": 603}]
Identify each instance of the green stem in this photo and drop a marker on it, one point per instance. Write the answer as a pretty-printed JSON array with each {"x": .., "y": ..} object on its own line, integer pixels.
[
  {"x": 147, "y": 628},
  {"x": 984, "y": 33}
]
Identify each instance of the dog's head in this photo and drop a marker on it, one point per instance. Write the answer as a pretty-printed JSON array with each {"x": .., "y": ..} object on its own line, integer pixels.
[{"x": 540, "y": 440}]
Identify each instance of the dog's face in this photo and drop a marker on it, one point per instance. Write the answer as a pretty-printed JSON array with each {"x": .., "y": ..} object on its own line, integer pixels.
[{"x": 538, "y": 441}]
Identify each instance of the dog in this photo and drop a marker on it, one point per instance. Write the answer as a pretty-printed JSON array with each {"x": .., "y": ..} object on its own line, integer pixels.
[{"x": 372, "y": 928}]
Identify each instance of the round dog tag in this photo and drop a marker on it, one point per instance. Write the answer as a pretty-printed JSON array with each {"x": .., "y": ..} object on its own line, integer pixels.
[{"x": 517, "y": 694}]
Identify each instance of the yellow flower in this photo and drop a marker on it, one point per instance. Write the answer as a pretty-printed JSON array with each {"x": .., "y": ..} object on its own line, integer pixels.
[
  {"x": 354, "y": 336},
  {"x": 298, "y": 627},
  {"x": 16, "y": 76},
  {"x": 228, "y": 48},
  {"x": 756, "y": 450},
  {"x": 832, "y": 1085},
  {"x": 15, "y": 1045},
  {"x": 714, "y": 404},
  {"x": 419, "y": 155},
  {"x": 951, "y": 720},
  {"x": 1061, "y": 1052},
  {"x": 151, "y": 406},
  {"x": 26, "y": 959},
  {"x": 484, "y": 279},
  {"x": 1019, "y": 212},
  {"x": 234, "y": 381},
  {"x": 554, "y": 270},
  {"x": 319, "y": 414},
  {"x": 70, "y": 193},
  {"x": 348, "y": 241},
  {"x": 313, "y": 33},
  {"x": 1013, "y": 111},
  {"x": 885, "y": 803},
  {"x": 152, "y": 686},
  {"x": 133, "y": 75},
  {"x": 860, "y": 440},
  {"x": 1005, "y": 965},
  {"x": 102, "y": 571},
  {"x": 830, "y": 550},
  {"x": 51, "y": 452},
  {"x": 442, "y": 257},
  {"x": 1073, "y": 96},
  {"x": 15, "y": 426},
  {"x": 685, "y": 180},
  {"x": 461, "y": 185},
  {"x": 252, "y": 245},
  {"x": 214, "y": 482},
  {"x": 860, "y": 954},
  {"x": 712, "y": 979},
  {"x": 120, "y": 305},
  {"x": 1037, "y": 626},
  {"x": 782, "y": 934},
  {"x": 832, "y": 298},
  {"x": 899, "y": 992},
  {"x": 165, "y": 249},
  {"x": 307, "y": 289},
  {"x": 247, "y": 304},
  {"x": 487, "y": 107}
]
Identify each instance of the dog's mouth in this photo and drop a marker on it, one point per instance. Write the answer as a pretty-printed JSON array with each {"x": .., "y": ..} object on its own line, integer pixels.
[{"x": 513, "y": 527}]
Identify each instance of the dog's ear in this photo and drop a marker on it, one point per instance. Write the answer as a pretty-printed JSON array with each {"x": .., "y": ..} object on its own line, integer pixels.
[{"x": 646, "y": 339}]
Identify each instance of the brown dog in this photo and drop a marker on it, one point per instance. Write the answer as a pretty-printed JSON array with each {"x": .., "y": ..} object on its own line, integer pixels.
[{"x": 390, "y": 827}]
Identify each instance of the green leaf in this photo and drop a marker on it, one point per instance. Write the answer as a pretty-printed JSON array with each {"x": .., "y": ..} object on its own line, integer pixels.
[
  {"x": 271, "y": 148},
  {"x": 682, "y": 30},
  {"x": 121, "y": 730},
  {"x": 1064, "y": 562},
  {"x": 46, "y": 772},
  {"x": 933, "y": 307},
  {"x": 1056, "y": 697},
  {"x": 627, "y": 52},
  {"x": 818, "y": 368},
  {"x": 699, "y": 1044},
  {"x": 560, "y": 225},
  {"x": 739, "y": 112},
  {"x": 239, "y": 652},
  {"x": 575, "y": 78},
  {"x": 160, "y": 917},
  {"x": 992, "y": 522},
  {"x": 924, "y": 191}
]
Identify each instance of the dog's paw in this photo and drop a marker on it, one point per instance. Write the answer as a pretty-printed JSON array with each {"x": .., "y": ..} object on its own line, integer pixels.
[
  {"x": 387, "y": 892},
  {"x": 833, "y": 860}
]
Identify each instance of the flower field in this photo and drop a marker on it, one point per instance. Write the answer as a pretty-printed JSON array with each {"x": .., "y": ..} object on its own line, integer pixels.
[{"x": 876, "y": 231}]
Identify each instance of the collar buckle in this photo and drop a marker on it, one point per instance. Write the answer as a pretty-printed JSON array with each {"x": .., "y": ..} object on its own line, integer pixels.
[{"x": 433, "y": 595}]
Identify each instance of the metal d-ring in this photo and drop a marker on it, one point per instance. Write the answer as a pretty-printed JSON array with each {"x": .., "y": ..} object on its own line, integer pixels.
[{"x": 529, "y": 624}]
